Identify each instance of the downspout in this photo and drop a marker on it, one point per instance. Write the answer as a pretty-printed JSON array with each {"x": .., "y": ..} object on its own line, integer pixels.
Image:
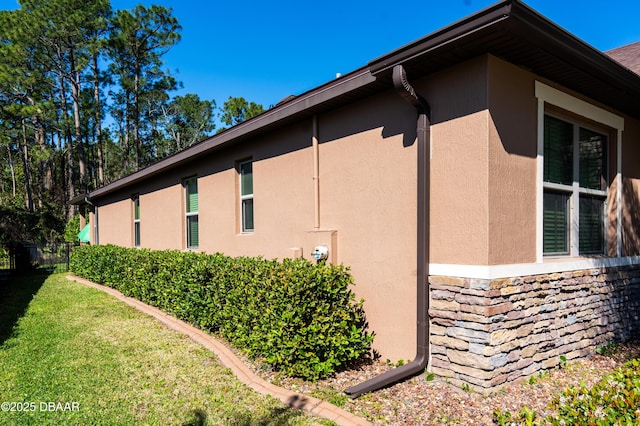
[
  {"x": 316, "y": 175},
  {"x": 421, "y": 359},
  {"x": 89, "y": 203},
  {"x": 95, "y": 220}
]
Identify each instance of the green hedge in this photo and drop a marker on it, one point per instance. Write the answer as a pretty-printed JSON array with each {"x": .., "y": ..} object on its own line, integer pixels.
[
  {"x": 614, "y": 400},
  {"x": 295, "y": 316}
]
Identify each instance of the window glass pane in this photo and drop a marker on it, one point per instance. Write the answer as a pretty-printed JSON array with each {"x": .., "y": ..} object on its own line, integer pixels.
[
  {"x": 592, "y": 160},
  {"x": 136, "y": 227},
  {"x": 591, "y": 225},
  {"x": 192, "y": 195},
  {"x": 247, "y": 215},
  {"x": 246, "y": 178},
  {"x": 136, "y": 208},
  {"x": 558, "y": 151},
  {"x": 556, "y": 223},
  {"x": 192, "y": 231}
]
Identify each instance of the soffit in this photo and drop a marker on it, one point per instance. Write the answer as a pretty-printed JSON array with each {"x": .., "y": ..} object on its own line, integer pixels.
[
  {"x": 516, "y": 33},
  {"x": 509, "y": 30}
]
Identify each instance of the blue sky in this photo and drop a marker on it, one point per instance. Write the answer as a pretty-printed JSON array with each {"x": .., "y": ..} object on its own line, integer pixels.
[{"x": 265, "y": 51}]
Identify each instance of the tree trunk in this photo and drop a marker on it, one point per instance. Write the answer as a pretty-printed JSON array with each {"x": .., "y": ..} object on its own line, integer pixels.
[
  {"x": 136, "y": 120},
  {"x": 96, "y": 94},
  {"x": 75, "y": 96},
  {"x": 13, "y": 173},
  {"x": 127, "y": 141},
  {"x": 44, "y": 165},
  {"x": 24, "y": 151},
  {"x": 71, "y": 189}
]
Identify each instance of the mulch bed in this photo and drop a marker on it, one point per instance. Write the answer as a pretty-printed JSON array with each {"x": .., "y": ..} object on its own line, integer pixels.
[{"x": 418, "y": 401}]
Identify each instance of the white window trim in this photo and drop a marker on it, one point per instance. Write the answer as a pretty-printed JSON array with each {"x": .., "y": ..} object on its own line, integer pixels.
[
  {"x": 549, "y": 95},
  {"x": 96, "y": 239},
  {"x": 243, "y": 198},
  {"x": 185, "y": 185},
  {"x": 186, "y": 230},
  {"x": 136, "y": 200}
]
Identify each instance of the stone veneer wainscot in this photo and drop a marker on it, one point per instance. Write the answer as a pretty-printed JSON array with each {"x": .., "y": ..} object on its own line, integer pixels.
[{"x": 487, "y": 332}]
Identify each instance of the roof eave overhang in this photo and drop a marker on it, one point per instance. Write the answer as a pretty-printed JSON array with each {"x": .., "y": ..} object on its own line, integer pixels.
[
  {"x": 433, "y": 44},
  {"x": 80, "y": 199},
  {"x": 509, "y": 30},
  {"x": 516, "y": 33},
  {"x": 352, "y": 86}
]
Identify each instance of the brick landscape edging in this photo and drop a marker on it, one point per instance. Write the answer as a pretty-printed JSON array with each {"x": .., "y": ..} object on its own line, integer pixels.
[{"x": 228, "y": 359}]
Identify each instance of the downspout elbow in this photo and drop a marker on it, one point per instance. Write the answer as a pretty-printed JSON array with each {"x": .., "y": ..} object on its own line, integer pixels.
[
  {"x": 408, "y": 93},
  {"x": 390, "y": 377}
]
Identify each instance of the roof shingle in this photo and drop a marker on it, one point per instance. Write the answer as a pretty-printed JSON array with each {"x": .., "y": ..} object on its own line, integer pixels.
[{"x": 628, "y": 55}]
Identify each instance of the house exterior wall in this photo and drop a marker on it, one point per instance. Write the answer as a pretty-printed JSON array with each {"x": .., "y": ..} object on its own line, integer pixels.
[
  {"x": 116, "y": 224},
  {"x": 459, "y": 171},
  {"x": 368, "y": 194},
  {"x": 484, "y": 160},
  {"x": 163, "y": 211},
  {"x": 512, "y": 164},
  {"x": 483, "y": 163},
  {"x": 517, "y": 312},
  {"x": 282, "y": 188},
  {"x": 631, "y": 188},
  {"x": 367, "y": 206},
  {"x": 488, "y": 276}
]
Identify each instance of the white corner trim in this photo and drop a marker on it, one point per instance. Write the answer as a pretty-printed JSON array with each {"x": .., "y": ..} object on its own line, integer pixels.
[
  {"x": 619, "y": 195},
  {"x": 539, "y": 183},
  {"x": 578, "y": 106},
  {"x": 524, "y": 269}
]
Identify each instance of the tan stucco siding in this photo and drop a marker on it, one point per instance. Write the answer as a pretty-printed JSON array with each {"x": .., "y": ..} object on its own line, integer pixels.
[
  {"x": 459, "y": 183},
  {"x": 92, "y": 224},
  {"x": 282, "y": 194},
  {"x": 483, "y": 190},
  {"x": 161, "y": 211},
  {"x": 512, "y": 164},
  {"x": 368, "y": 194},
  {"x": 612, "y": 197},
  {"x": 367, "y": 206},
  {"x": 115, "y": 223},
  {"x": 459, "y": 191},
  {"x": 631, "y": 188}
]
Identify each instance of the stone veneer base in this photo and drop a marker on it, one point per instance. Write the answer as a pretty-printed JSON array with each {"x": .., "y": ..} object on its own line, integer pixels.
[{"x": 488, "y": 332}]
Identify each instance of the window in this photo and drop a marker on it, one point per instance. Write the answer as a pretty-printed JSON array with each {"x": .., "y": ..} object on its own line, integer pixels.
[
  {"x": 136, "y": 220},
  {"x": 191, "y": 211},
  {"x": 575, "y": 189},
  {"x": 246, "y": 195},
  {"x": 96, "y": 234}
]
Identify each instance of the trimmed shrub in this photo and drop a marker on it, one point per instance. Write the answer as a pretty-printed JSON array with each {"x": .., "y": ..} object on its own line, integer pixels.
[
  {"x": 614, "y": 400},
  {"x": 296, "y": 317}
]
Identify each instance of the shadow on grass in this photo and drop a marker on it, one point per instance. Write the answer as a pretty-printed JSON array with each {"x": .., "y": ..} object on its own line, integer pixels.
[
  {"x": 197, "y": 418},
  {"x": 274, "y": 417},
  {"x": 15, "y": 295}
]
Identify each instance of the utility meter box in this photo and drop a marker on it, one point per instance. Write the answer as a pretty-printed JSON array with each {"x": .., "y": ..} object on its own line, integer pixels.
[{"x": 320, "y": 253}]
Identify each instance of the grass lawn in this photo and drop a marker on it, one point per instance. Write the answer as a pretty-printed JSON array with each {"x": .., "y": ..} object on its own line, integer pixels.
[{"x": 71, "y": 355}]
